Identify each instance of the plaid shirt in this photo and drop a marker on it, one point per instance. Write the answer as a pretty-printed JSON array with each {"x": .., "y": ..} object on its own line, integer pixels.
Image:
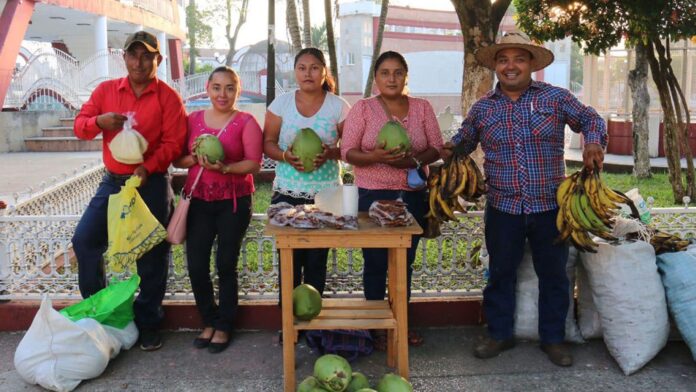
[{"x": 523, "y": 143}]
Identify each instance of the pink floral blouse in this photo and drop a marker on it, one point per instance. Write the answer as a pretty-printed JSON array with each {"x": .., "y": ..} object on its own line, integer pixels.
[
  {"x": 360, "y": 130},
  {"x": 242, "y": 140}
]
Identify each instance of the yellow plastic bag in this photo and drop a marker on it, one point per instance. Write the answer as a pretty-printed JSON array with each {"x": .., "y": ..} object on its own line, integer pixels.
[{"x": 132, "y": 228}]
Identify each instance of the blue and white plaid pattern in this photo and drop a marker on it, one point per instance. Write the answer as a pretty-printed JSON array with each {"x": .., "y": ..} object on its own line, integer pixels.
[{"x": 523, "y": 143}]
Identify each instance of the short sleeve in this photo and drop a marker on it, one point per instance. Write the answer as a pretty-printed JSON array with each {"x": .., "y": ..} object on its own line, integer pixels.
[
  {"x": 345, "y": 109},
  {"x": 279, "y": 105}
]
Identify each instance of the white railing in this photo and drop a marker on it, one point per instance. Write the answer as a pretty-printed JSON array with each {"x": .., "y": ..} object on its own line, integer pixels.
[
  {"x": 55, "y": 73},
  {"x": 65, "y": 81},
  {"x": 36, "y": 255}
]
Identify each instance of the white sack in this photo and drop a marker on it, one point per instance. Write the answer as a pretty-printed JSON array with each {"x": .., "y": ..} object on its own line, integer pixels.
[
  {"x": 58, "y": 354},
  {"x": 629, "y": 296},
  {"x": 527, "y": 300},
  {"x": 589, "y": 321}
]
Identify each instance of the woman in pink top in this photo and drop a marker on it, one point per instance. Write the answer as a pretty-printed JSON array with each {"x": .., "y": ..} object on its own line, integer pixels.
[
  {"x": 220, "y": 204},
  {"x": 382, "y": 174}
]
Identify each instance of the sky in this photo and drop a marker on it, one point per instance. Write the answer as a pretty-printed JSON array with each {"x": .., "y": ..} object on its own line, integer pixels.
[{"x": 255, "y": 28}]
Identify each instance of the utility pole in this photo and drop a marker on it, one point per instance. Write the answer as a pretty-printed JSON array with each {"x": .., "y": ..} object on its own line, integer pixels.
[{"x": 270, "y": 56}]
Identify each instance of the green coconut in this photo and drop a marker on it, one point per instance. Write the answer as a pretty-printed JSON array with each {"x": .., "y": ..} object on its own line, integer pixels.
[
  {"x": 306, "y": 302},
  {"x": 358, "y": 382},
  {"x": 394, "y": 383},
  {"x": 333, "y": 372},
  {"x": 210, "y": 146},
  {"x": 393, "y": 135},
  {"x": 366, "y": 390},
  {"x": 307, "y": 146},
  {"x": 309, "y": 384}
]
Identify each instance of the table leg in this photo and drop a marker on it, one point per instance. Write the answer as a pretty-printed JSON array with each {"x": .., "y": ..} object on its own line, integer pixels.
[
  {"x": 397, "y": 263},
  {"x": 392, "y": 336},
  {"x": 286, "y": 282}
]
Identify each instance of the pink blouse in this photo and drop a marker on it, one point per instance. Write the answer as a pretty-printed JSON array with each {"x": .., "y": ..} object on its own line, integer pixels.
[
  {"x": 242, "y": 140},
  {"x": 360, "y": 130}
]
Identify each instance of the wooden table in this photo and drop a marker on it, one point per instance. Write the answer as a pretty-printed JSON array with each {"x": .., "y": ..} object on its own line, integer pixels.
[{"x": 348, "y": 313}]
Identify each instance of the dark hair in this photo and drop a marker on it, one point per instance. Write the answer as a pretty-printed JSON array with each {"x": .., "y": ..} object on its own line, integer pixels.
[
  {"x": 390, "y": 54},
  {"x": 329, "y": 83},
  {"x": 230, "y": 71}
]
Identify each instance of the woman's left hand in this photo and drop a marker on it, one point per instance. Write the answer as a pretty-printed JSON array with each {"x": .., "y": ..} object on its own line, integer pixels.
[
  {"x": 205, "y": 163},
  {"x": 323, "y": 157}
]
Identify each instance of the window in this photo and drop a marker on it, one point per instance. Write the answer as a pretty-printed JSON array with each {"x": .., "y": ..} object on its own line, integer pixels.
[{"x": 350, "y": 58}]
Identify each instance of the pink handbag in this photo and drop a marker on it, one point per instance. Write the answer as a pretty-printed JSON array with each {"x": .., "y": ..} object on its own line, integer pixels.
[{"x": 176, "y": 230}]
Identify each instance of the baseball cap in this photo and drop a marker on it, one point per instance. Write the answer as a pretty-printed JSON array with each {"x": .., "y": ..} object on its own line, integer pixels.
[{"x": 145, "y": 38}]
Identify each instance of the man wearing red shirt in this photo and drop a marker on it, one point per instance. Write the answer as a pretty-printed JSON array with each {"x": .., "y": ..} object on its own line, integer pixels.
[{"x": 160, "y": 118}]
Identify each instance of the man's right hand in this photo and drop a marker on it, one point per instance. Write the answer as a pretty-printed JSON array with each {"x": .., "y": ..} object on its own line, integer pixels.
[{"x": 111, "y": 121}]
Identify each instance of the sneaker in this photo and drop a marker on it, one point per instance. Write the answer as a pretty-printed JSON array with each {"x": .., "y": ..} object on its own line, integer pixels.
[
  {"x": 490, "y": 347},
  {"x": 150, "y": 340},
  {"x": 559, "y": 354}
]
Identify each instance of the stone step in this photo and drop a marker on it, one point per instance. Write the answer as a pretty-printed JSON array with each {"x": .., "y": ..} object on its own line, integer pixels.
[
  {"x": 58, "y": 131},
  {"x": 67, "y": 122},
  {"x": 64, "y": 143}
]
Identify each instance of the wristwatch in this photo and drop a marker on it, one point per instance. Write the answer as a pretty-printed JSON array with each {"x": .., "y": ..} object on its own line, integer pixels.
[{"x": 418, "y": 163}]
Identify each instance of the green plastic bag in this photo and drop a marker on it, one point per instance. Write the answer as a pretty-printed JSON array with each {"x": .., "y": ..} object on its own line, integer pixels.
[{"x": 112, "y": 305}]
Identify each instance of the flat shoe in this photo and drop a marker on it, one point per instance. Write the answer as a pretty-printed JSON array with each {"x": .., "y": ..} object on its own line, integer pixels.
[
  {"x": 201, "y": 342},
  {"x": 215, "y": 348}
]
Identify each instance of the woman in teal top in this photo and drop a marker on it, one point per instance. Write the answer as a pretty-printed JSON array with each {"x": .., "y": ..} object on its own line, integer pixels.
[{"x": 312, "y": 105}]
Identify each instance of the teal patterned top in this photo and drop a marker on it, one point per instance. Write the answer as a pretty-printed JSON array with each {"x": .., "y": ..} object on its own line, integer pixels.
[{"x": 289, "y": 181}]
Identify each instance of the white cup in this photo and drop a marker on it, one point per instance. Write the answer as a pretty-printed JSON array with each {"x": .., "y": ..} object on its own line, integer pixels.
[{"x": 350, "y": 200}]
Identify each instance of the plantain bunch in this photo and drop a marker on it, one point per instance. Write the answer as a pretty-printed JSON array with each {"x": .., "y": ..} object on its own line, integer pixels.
[
  {"x": 458, "y": 178},
  {"x": 665, "y": 242},
  {"x": 587, "y": 207}
]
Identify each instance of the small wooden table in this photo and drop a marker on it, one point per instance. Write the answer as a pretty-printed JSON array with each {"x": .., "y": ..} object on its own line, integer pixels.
[{"x": 348, "y": 313}]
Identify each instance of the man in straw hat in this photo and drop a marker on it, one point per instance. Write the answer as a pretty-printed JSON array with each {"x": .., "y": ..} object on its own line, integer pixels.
[
  {"x": 160, "y": 118},
  {"x": 520, "y": 125}
]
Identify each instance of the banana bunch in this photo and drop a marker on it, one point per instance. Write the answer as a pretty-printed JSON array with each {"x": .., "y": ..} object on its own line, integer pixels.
[
  {"x": 459, "y": 178},
  {"x": 665, "y": 242},
  {"x": 587, "y": 206}
]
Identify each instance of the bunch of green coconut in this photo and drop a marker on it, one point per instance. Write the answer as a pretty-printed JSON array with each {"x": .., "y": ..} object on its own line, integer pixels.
[
  {"x": 307, "y": 145},
  {"x": 332, "y": 373}
]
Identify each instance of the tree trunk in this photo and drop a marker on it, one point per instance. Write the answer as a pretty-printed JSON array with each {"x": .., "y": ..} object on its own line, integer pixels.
[
  {"x": 232, "y": 39},
  {"x": 331, "y": 41},
  {"x": 307, "y": 29},
  {"x": 377, "y": 48},
  {"x": 637, "y": 81},
  {"x": 671, "y": 134},
  {"x": 293, "y": 26},
  {"x": 479, "y": 21},
  {"x": 191, "y": 12}
]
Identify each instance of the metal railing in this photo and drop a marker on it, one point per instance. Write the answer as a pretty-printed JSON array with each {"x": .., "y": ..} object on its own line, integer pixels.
[
  {"x": 36, "y": 255},
  {"x": 54, "y": 80}
]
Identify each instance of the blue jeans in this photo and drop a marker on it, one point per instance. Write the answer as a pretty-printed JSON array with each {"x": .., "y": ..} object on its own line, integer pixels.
[
  {"x": 505, "y": 239},
  {"x": 90, "y": 241},
  {"x": 308, "y": 262},
  {"x": 375, "y": 267},
  {"x": 207, "y": 220}
]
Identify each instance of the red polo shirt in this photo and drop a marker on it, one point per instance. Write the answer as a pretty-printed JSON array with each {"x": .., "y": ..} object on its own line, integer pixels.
[{"x": 159, "y": 114}]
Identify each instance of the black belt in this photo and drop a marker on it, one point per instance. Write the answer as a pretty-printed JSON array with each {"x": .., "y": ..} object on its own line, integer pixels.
[{"x": 118, "y": 177}]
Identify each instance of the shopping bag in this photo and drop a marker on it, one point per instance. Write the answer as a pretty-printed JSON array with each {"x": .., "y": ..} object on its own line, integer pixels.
[
  {"x": 112, "y": 305},
  {"x": 176, "y": 230},
  {"x": 132, "y": 229}
]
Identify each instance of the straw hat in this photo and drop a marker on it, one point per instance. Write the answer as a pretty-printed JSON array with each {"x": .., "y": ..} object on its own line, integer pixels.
[{"x": 541, "y": 57}]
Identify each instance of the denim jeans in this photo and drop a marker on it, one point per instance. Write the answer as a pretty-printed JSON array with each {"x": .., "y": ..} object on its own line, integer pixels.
[
  {"x": 308, "y": 262},
  {"x": 505, "y": 240},
  {"x": 207, "y": 220},
  {"x": 90, "y": 242},
  {"x": 375, "y": 267}
]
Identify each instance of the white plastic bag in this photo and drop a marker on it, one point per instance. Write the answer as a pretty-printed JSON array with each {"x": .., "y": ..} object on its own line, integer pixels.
[
  {"x": 58, "y": 354},
  {"x": 527, "y": 300},
  {"x": 128, "y": 146},
  {"x": 628, "y": 293}
]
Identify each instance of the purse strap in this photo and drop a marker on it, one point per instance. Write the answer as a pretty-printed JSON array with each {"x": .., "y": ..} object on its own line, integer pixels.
[
  {"x": 386, "y": 109},
  {"x": 200, "y": 172}
]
